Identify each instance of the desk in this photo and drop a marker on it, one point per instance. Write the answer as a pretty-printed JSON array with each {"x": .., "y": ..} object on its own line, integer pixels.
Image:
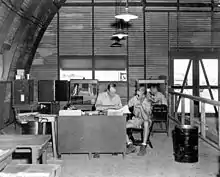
[
  {"x": 91, "y": 134},
  {"x": 36, "y": 144}
]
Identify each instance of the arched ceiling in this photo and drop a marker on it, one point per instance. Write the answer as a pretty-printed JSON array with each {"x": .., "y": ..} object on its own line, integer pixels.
[{"x": 22, "y": 25}]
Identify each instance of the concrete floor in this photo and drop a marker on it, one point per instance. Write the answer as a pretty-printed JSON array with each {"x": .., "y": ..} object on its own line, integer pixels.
[{"x": 158, "y": 162}]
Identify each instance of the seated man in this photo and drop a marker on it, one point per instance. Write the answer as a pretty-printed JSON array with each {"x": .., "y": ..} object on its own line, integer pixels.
[
  {"x": 109, "y": 99},
  {"x": 142, "y": 113},
  {"x": 155, "y": 96}
]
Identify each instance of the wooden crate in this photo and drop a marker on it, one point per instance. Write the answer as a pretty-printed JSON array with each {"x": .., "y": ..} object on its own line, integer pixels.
[{"x": 30, "y": 170}]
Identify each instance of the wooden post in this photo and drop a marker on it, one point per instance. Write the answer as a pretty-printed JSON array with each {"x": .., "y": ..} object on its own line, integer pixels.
[
  {"x": 182, "y": 111},
  {"x": 203, "y": 122},
  {"x": 218, "y": 126},
  {"x": 170, "y": 104},
  {"x": 191, "y": 112},
  {"x": 175, "y": 107},
  {"x": 1, "y": 65}
]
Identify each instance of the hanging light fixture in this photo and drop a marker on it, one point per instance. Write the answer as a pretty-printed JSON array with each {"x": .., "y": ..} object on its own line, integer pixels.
[
  {"x": 120, "y": 34},
  {"x": 116, "y": 44},
  {"x": 126, "y": 16}
]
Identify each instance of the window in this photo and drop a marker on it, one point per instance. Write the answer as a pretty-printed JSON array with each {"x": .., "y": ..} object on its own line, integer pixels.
[
  {"x": 180, "y": 68},
  {"x": 74, "y": 74},
  {"x": 211, "y": 69},
  {"x": 205, "y": 94},
  {"x": 187, "y": 101},
  {"x": 111, "y": 75}
]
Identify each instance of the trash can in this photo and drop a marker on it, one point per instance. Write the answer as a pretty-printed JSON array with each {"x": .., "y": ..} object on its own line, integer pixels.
[
  {"x": 185, "y": 144},
  {"x": 32, "y": 128}
]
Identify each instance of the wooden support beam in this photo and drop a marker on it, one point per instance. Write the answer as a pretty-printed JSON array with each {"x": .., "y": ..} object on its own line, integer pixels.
[
  {"x": 203, "y": 120},
  {"x": 191, "y": 112},
  {"x": 218, "y": 123},
  {"x": 182, "y": 111}
]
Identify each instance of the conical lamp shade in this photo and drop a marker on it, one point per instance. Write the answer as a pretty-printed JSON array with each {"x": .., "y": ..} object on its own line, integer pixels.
[
  {"x": 126, "y": 17},
  {"x": 120, "y": 35},
  {"x": 116, "y": 44}
]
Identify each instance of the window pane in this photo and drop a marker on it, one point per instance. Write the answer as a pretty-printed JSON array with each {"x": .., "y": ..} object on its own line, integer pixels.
[
  {"x": 111, "y": 75},
  {"x": 205, "y": 94},
  {"x": 187, "y": 101},
  {"x": 211, "y": 68},
  {"x": 180, "y": 67},
  {"x": 69, "y": 74}
]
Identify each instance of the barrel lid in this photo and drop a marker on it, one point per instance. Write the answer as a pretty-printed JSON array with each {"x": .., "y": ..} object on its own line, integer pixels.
[{"x": 187, "y": 126}]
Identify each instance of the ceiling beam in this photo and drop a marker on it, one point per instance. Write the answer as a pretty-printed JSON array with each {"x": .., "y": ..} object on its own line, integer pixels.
[
  {"x": 147, "y": 4},
  {"x": 102, "y": 4}
]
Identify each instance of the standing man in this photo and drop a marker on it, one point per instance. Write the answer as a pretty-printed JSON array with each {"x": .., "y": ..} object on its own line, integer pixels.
[{"x": 109, "y": 99}]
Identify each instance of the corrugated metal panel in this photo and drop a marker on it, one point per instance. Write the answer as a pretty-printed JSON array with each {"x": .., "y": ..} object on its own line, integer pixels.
[
  {"x": 135, "y": 73},
  {"x": 103, "y": 18},
  {"x": 47, "y": 51},
  {"x": 135, "y": 40},
  {"x": 195, "y": 1},
  {"x": 75, "y": 30},
  {"x": 216, "y": 28},
  {"x": 103, "y": 42},
  {"x": 78, "y": 1},
  {"x": 46, "y": 72},
  {"x": 194, "y": 29},
  {"x": 157, "y": 44}
]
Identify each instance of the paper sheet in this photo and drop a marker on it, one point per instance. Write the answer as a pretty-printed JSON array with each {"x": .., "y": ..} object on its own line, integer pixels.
[{"x": 123, "y": 110}]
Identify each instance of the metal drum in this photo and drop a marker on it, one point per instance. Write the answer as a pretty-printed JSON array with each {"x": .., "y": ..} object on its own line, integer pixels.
[
  {"x": 185, "y": 144},
  {"x": 32, "y": 128}
]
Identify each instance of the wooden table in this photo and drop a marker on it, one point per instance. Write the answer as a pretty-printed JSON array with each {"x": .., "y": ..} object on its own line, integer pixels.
[
  {"x": 44, "y": 118},
  {"x": 91, "y": 134},
  {"x": 52, "y": 119},
  {"x": 6, "y": 158},
  {"x": 29, "y": 170},
  {"x": 36, "y": 144}
]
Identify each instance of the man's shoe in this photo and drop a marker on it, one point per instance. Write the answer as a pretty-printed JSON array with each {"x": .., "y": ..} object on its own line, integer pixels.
[
  {"x": 130, "y": 149},
  {"x": 142, "y": 151}
]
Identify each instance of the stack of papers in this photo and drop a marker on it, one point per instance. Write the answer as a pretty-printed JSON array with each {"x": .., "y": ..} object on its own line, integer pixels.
[
  {"x": 118, "y": 112},
  {"x": 70, "y": 113}
]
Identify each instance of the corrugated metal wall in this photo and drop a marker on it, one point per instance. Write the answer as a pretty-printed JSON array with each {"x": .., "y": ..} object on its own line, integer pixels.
[
  {"x": 156, "y": 43},
  {"x": 47, "y": 51},
  {"x": 162, "y": 29},
  {"x": 76, "y": 31}
]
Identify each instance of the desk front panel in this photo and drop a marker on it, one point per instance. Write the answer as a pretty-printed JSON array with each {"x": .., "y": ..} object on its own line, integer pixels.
[{"x": 88, "y": 134}]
